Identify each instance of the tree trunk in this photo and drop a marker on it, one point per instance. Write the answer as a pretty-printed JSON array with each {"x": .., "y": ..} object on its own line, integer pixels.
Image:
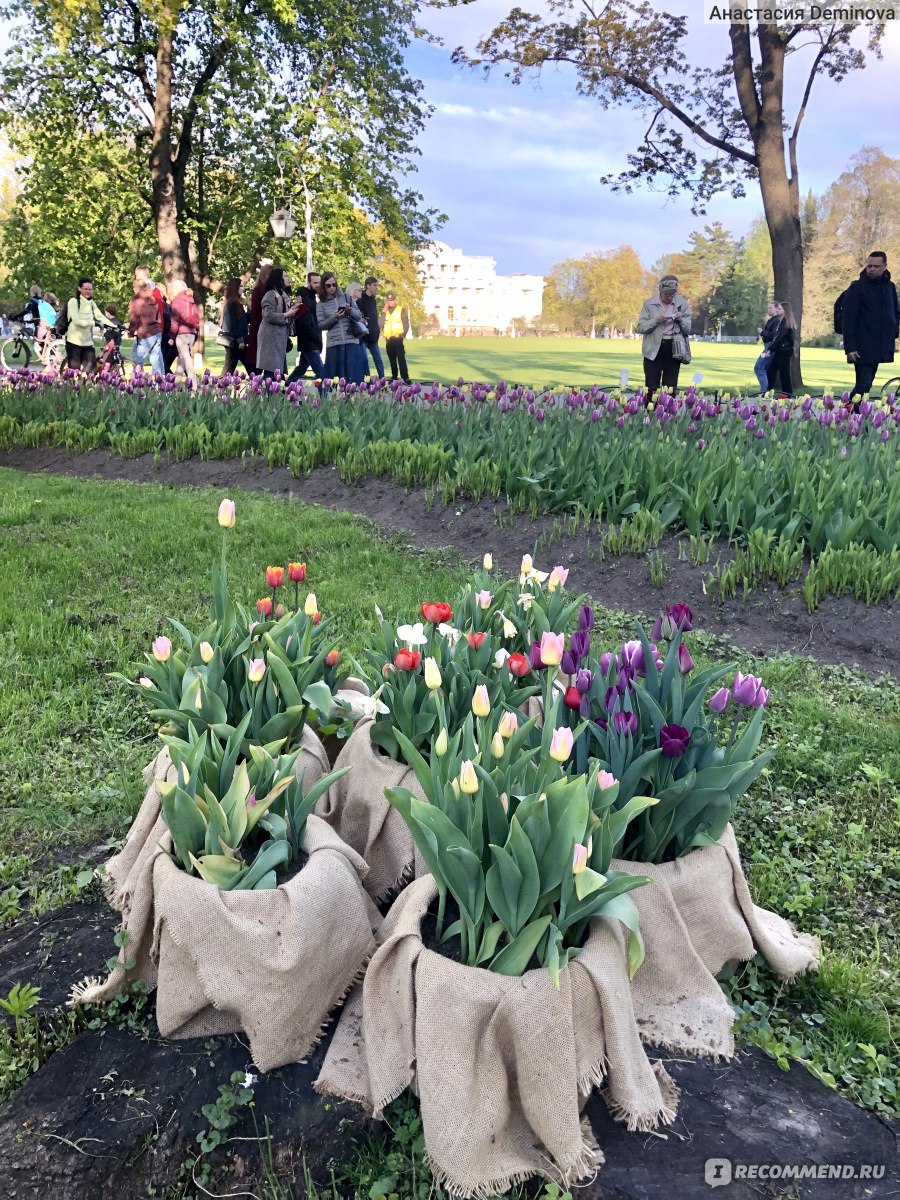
[
  {"x": 162, "y": 175},
  {"x": 783, "y": 221}
]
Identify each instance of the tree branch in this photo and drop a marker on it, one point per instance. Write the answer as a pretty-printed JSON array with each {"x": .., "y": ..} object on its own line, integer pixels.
[
  {"x": 744, "y": 81},
  {"x": 801, "y": 112}
]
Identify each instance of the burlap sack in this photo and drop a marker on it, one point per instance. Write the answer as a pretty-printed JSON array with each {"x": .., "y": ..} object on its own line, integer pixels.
[
  {"x": 502, "y": 1066},
  {"x": 269, "y": 963},
  {"x": 356, "y": 808},
  {"x": 697, "y": 916}
]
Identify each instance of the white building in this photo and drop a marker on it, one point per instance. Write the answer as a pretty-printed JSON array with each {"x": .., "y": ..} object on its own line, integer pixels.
[{"x": 464, "y": 293}]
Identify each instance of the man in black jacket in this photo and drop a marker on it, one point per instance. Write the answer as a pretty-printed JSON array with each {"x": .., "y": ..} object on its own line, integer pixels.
[
  {"x": 369, "y": 310},
  {"x": 871, "y": 321},
  {"x": 307, "y": 332}
]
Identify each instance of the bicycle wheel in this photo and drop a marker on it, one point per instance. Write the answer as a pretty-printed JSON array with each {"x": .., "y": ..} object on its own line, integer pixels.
[
  {"x": 15, "y": 353},
  {"x": 56, "y": 355},
  {"x": 892, "y": 386}
]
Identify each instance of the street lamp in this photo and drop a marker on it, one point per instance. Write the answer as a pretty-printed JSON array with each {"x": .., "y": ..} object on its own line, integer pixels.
[{"x": 282, "y": 219}]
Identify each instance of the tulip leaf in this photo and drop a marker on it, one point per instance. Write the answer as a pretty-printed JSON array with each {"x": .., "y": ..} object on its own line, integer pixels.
[
  {"x": 270, "y": 856},
  {"x": 488, "y": 947},
  {"x": 289, "y": 691},
  {"x": 318, "y": 695},
  {"x": 514, "y": 958}
]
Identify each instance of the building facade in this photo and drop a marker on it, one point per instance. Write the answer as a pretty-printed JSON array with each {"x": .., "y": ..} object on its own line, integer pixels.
[{"x": 462, "y": 293}]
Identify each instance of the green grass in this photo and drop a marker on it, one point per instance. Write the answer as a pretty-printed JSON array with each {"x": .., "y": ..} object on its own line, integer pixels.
[
  {"x": 538, "y": 362},
  {"x": 90, "y": 570}
]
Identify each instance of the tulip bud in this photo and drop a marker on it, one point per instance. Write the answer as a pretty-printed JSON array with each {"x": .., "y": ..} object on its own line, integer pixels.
[
  {"x": 206, "y": 652},
  {"x": 484, "y": 600},
  {"x": 432, "y": 674},
  {"x": 145, "y": 682},
  {"x": 264, "y": 606},
  {"x": 162, "y": 649},
  {"x": 606, "y": 780},
  {"x": 558, "y": 577},
  {"x": 468, "y": 780},
  {"x": 257, "y": 669},
  {"x": 275, "y": 576},
  {"x": 508, "y": 724},
  {"x": 561, "y": 744},
  {"x": 311, "y": 607},
  {"x": 579, "y": 859},
  {"x": 685, "y": 662},
  {"x": 226, "y": 514},
  {"x": 504, "y": 802},
  {"x": 297, "y": 572},
  {"x": 279, "y": 611},
  {"x": 488, "y": 563},
  {"x": 527, "y": 565},
  {"x": 481, "y": 701},
  {"x": 498, "y": 747},
  {"x": 441, "y": 743},
  {"x": 509, "y": 630},
  {"x": 332, "y": 658}
]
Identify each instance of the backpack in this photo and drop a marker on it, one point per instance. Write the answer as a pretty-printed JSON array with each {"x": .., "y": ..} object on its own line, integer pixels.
[
  {"x": 839, "y": 313},
  {"x": 62, "y": 320}
]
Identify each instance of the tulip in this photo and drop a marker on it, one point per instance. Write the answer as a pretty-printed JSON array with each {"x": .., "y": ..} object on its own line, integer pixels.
[
  {"x": 475, "y": 640},
  {"x": 498, "y": 748},
  {"x": 579, "y": 859},
  {"x": 484, "y": 599},
  {"x": 145, "y": 682},
  {"x": 534, "y": 657},
  {"x": 509, "y": 629},
  {"x": 580, "y": 643},
  {"x": 264, "y": 606},
  {"x": 413, "y": 635},
  {"x": 226, "y": 514},
  {"x": 682, "y": 617},
  {"x": 552, "y": 647},
  {"x": 500, "y": 658},
  {"x": 206, "y": 652},
  {"x": 625, "y": 722},
  {"x": 527, "y": 565},
  {"x": 561, "y": 744},
  {"x": 441, "y": 743},
  {"x": 572, "y": 698},
  {"x": 407, "y": 660},
  {"x": 257, "y": 669},
  {"x": 762, "y": 698},
  {"x": 606, "y": 780},
  {"x": 488, "y": 562},
  {"x": 674, "y": 740},
  {"x": 317, "y": 617},
  {"x": 332, "y": 658},
  {"x": 433, "y": 678},
  {"x": 436, "y": 613},
  {"x": 611, "y": 699},
  {"x": 481, "y": 701},
  {"x": 605, "y": 663},
  {"x": 508, "y": 724},
  {"x": 720, "y": 700},
  {"x": 685, "y": 662},
  {"x": 746, "y": 688},
  {"x": 569, "y": 663},
  {"x": 518, "y": 665},
  {"x": 468, "y": 780},
  {"x": 252, "y": 626},
  {"x": 504, "y": 802},
  {"x": 311, "y": 606},
  {"x": 274, "y": 576},
  {"x": 162, "y": 649},
  {"x": 558, "y": 577},
  {"x": 297, "y": 572},
  {"x": 583, "y": 681},
  {"x": 586, "y": 619}
]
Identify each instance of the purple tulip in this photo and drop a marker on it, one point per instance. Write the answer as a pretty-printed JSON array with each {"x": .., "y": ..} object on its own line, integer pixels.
[
  {"x": 580, "y": 643},
  {"x": 583, "y": 681},
  {"x": 534, "y": 657},
  {"x": 682, "y": 617},
  {"x": 685, "y": 662},
  {"x": 674, "y": 740},
  {"x": 720, "y": 700},
  {"x": 569, "y": 663},
  {"x": 611, "y": 699},
  {"x": 762, "y": 697},
  {"x": 586, "y": 618},
  {"x": 605, "y": 663},
  {"x": 625, "y": 722},
  {"x": 657, "y": 631},
  {"x": 746, "y": 690}
]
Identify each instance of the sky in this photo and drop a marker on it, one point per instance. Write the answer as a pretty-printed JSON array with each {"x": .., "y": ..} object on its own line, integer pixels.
[{"x": 517, "y": 168}]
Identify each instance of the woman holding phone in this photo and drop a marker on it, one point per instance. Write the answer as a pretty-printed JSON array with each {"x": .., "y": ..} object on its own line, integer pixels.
[{"x": 337, "y": 315}]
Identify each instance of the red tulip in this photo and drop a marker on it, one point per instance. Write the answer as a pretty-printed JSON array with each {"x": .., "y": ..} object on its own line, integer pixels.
[
  {"x": 437, "y": 613},
  {"x": 518, "y": 665},
  {"x": 475, "y": 640},
  {"x": 296, "y": 572},
  {"x": 407, "y": 660},
  {"x": 332, "y": 658},
  {"x": 572, "y": 698},
  {"x": 264, "y": 606},
  {"x": 274, "y": 576},
  {"x": 317, "y": 617}
]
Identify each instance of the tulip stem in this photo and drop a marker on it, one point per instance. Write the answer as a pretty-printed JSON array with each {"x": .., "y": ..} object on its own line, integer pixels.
[{"x": 735, "y": 721}]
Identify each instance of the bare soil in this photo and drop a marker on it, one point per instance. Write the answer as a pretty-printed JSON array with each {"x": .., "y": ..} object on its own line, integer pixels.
[{"x": 770, "y": 621}]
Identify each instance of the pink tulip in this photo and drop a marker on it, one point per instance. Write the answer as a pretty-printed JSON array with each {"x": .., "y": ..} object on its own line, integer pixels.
[
  {"x": 162, "y": 649},
  {"x": 553, "y": 647}
]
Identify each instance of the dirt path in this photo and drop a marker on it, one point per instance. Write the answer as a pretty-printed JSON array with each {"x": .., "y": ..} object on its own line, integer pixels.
[{"x": 771, "y": 621}]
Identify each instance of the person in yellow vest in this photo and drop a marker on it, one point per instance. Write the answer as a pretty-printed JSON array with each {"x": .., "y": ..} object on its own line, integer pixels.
[{"x": 395, "y": 327}]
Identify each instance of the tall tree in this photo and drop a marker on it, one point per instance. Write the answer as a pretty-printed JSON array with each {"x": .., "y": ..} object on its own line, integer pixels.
[
  {"x": 709, "y": 129},
  {"x": 205, "y": 96},
  {"x": 701, "y": 268}
]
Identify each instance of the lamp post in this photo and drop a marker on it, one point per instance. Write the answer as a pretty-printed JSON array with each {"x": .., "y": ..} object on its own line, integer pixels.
[{"x": 282, "y": 219}]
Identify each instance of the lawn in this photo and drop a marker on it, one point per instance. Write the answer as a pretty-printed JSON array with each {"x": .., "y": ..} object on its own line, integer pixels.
[
  {"x": 539, "y": 362},
  {"x": 89, "y": 571}
]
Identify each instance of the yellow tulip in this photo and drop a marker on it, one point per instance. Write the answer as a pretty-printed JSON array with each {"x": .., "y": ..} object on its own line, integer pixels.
[
  {"x": 206, "y": 652},
  {"x": 311, "y": 607},
  {"x": 432, "y": 674},
  {"x": 508, "y": 724},
  {"x": 481, "y": 701},
  {"x": 498, "y": 747},
  {"x": 468, "y": 780},
  {"x": 441, "y": 743}
]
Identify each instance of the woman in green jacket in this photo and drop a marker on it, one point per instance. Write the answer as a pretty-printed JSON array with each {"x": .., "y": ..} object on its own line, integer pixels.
[{"x": 83, "y": 314}]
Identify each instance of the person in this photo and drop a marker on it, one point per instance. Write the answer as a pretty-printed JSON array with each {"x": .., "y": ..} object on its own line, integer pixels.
[
  {"x": 277, "y": 315},
  {"x": 369, "y": 309},
  {"x": 233, "y": 326},
  {"x": 47, "y": 314},
  {"x": 662, "y": 317},
  {"x": 395, "y": 327},
  {"x": 82, "y": 314},
  {"x": 30, "y": 314},
  {"x": 767, "y": 333},
  {"x": 335, "y": 313},
  {"x": 185, "y": 327},
  {"x": 254, "y": 312},
  {"x": 111, "y": 312},
  {"x": 307, "y": 332},
  {"x": 781, "y": 349},
  {"x": 871, "y": 321},
  {"x": 360, "y": 328},
  {"x": 145, "y": 327},
  {"x": 142, "y": 275}
]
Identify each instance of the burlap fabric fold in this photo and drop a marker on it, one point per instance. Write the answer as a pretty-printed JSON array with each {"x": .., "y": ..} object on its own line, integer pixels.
[
  {"x": 502, "y": 1065},
  {"x": 696, "y": 916},
  {"x": 269, "y": 963},
  {"x": 356, "y": 808}
]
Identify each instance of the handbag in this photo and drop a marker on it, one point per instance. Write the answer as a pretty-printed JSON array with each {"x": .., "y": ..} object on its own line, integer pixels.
[
  {"x": 360, "y": 328},
  {"x": 681, "y": 348},
  {"x": 224, "y": 339}
]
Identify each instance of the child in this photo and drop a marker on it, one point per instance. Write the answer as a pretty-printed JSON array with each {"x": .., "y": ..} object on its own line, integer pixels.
[{"x": 115, "y": 333}]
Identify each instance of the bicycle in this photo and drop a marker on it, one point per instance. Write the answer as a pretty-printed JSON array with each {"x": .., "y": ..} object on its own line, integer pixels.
[
  {"x": 110, "y": 357},
  {"x": 17, "y": 352}
]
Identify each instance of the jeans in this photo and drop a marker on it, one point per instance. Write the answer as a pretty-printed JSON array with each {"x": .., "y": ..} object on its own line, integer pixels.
[
  {"x": 149, "y": 347},
  {"x": 761, "y": 371},
  {"x": 865, "y": 377},
  {"x": 306, "y": 359},
  {"x": 377, "y": 360}
]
